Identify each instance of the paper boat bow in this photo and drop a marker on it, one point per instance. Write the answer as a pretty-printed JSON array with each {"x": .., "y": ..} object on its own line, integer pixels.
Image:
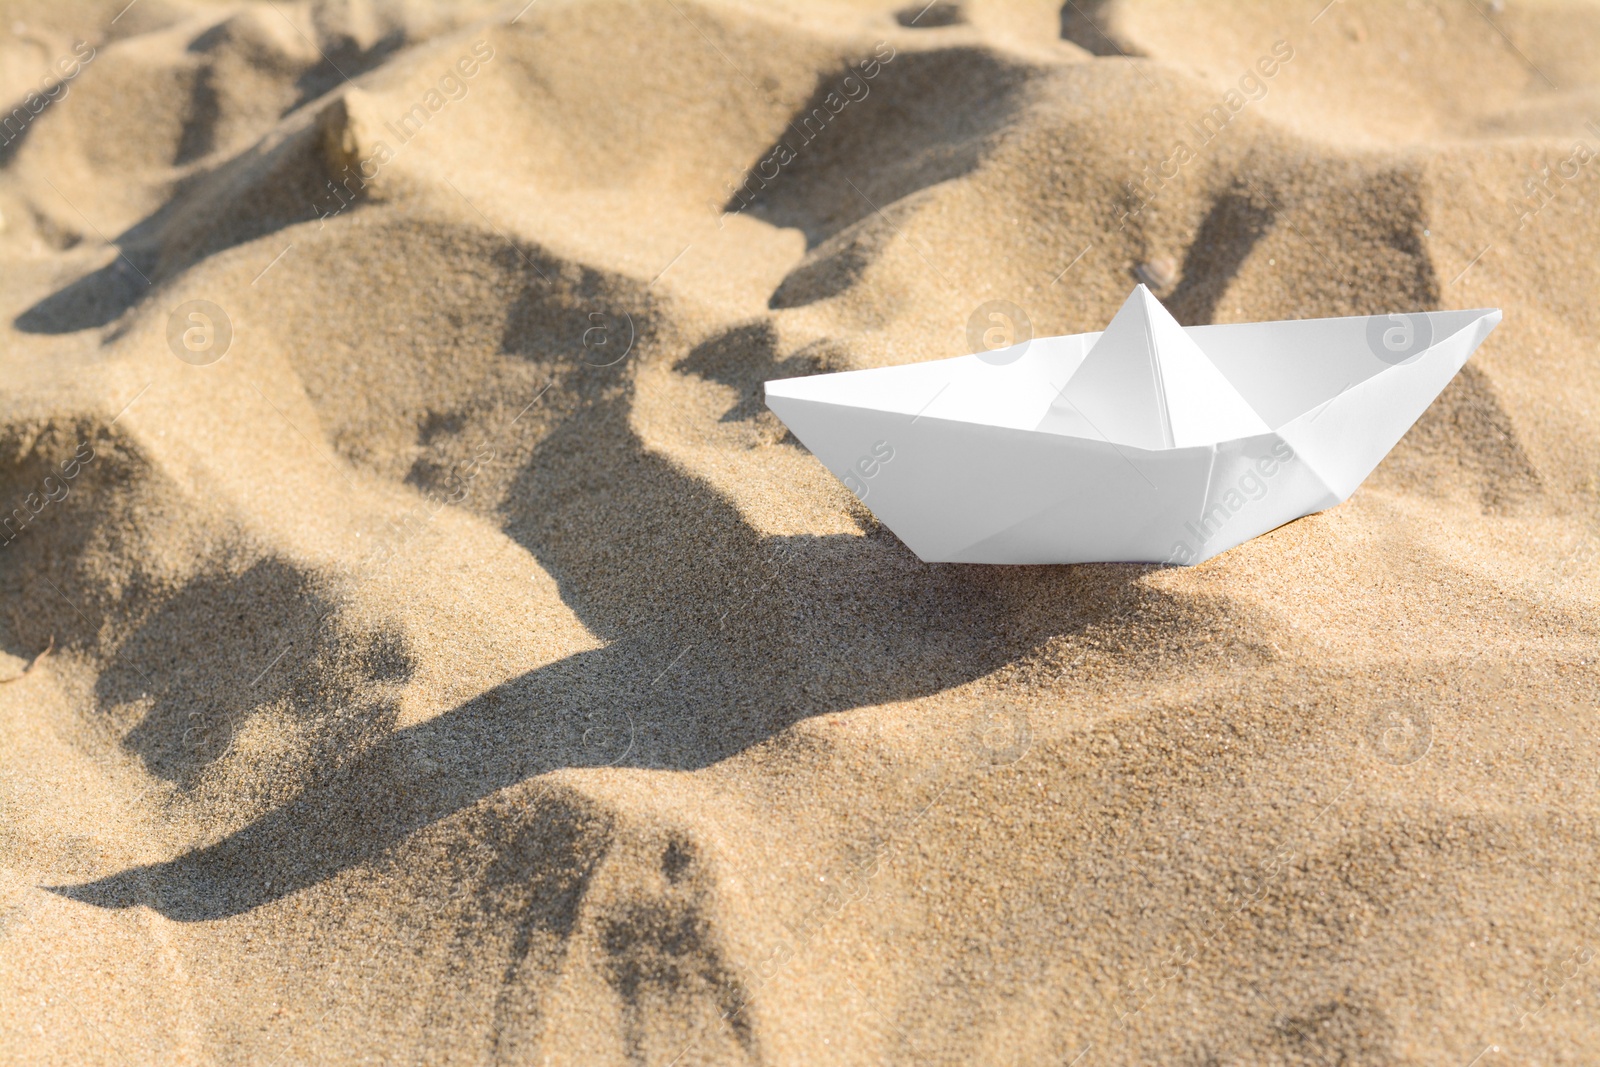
[{"x": 1150, "y": 442}]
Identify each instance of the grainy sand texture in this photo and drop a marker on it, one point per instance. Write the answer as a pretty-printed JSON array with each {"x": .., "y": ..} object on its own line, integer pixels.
[{"x": 420, "y": 645}]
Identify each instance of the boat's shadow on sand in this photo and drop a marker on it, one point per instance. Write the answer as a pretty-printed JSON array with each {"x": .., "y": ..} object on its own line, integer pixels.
[{"x": 718, "y": 639}]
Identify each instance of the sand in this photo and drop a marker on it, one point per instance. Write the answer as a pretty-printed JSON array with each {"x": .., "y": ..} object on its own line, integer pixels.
[{"x": 420, "y": 645}]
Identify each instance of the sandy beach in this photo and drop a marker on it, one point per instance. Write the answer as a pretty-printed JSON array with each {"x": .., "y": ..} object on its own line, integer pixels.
[{"x": 420, "y": 644}]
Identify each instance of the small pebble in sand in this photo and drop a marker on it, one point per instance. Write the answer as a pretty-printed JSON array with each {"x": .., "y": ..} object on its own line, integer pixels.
[{"x": 1160, "y": 274}]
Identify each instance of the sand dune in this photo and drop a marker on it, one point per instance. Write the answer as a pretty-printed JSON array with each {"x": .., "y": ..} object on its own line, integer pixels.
[{"x": 435, "y": 652}]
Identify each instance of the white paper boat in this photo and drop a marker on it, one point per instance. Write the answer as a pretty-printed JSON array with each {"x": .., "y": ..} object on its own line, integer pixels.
[{"x": 1150, "y": 442}]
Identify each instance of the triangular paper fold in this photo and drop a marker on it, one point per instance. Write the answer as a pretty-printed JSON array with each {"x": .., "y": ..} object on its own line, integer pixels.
[{"x": 1147, "y": 385}]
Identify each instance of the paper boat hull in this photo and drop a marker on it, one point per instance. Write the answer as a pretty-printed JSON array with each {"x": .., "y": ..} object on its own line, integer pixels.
[{"x": 949, "y": 454}]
